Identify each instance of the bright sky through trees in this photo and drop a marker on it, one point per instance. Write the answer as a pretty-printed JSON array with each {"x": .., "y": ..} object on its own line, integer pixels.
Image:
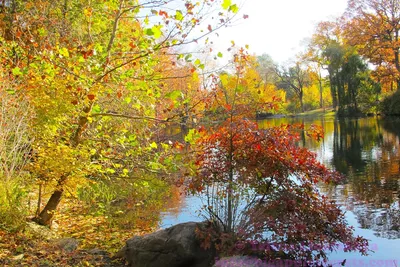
[{"x": 279, "y": 27}]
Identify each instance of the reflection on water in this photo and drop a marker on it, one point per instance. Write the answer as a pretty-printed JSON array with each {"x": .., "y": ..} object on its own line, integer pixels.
[{"x": 367, "y": 152}]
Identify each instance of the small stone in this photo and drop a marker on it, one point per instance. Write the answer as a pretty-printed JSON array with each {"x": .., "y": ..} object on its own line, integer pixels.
[{"x": 67, "y": 244}]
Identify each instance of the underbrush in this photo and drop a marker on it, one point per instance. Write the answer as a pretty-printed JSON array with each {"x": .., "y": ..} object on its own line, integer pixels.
[
  {"x": 28, "y": 246},
  {"x": 12, "y": 209},
  {"x": 391, "y": 104},
  {"x": 100, "y": 218}
]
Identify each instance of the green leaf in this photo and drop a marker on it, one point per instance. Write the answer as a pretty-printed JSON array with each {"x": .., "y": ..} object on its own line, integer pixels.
[
  {"x": 96, "y": 109},
  {"x": 187, "y": 57},
  {"x": 226, "y": 4},
  {"x": 153, "y": 145},
  {"x": 149, "y": 31},
  {"x": 157, "y": 31},
  {"x": 128, "y": 100},
  {"x": 109, "y": 170},
  {"x": 174, "y": 95},
  {"x": 179, "y": 15},
  {"x": 224, "y": 78},
  {"x": 63, "y": 52},
  {"x": 192, "y": 136},
  {"x": 197, "y": 62},
  {"x": 219, "y": 54},
  {"x": 240, "y": 88},
  {"x": 16, "y": 71},
  {"x": 42, "y": 32},
  {"x": 10, "y": 91},
  {"x": 234, "y": 8}
]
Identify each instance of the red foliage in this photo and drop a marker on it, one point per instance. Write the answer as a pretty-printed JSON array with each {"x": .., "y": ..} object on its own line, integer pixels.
[{"x": 276, "y": 182}]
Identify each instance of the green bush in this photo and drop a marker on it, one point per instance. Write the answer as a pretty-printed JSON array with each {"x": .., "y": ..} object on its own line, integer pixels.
[
  {"x": 391, "y": 104},
  {"x": 15, "y": 146},
  {"x": 13, "y": 208}
]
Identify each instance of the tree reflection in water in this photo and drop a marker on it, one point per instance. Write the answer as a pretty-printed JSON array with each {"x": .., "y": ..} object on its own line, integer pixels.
[{"x": 367, "y": 151}]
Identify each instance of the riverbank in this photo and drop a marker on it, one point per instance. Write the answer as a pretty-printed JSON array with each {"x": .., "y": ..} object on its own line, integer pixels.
[
  {"x": 322, "y": 112},
  {"x": 77, "y": 238}
]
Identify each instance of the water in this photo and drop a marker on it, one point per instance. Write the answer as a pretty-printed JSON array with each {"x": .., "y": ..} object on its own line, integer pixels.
[{"x": 367, "y": 151}]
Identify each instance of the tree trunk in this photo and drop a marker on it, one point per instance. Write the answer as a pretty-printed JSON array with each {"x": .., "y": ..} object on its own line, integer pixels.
[
  {"x": 301, "y": 101},
  {"x": 39, "y": 202},
  {"x": 333, "y": 90},
  {"x": 47, "y": 213},
  {"x": 398, "y": 84},
  {"x": 46, "y": 216},
  {"x": 321, "y": 100}
]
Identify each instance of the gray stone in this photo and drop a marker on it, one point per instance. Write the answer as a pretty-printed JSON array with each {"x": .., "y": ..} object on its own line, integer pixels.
[
  {"x": 176, "y": 246},
  {"x": 241, "y": 261},
  {"x": 40, "y": 231},
  {"x": 67, "y": 244}
]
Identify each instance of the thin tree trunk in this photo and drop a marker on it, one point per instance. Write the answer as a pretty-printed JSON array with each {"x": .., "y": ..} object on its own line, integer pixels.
[
  {"x": 46, "y": 216},
  {"x": 321, "y": 100},
  {"x": 301, "y": 101},
  {"x": 333, "y": 90},
  {"x": 39, "y": 200},
  {"x": 230, "y": 212},
  {"x": 398, "y": 85}
]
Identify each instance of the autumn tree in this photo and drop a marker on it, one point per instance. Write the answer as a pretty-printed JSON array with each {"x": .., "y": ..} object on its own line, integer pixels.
[
  {"x": 326, "y": 37},
  {"x": 315, "y": 62},
  {"x": 241, "y": 86},
  {"x": 266, "y": 68},
  {"x": 349, "y": 78},
  {"x": 373, "y": 26},
  {"x": 348, "y": 75},
  {"x": 260, "y": 186},
  {"x": 261, "y": 189},
  {"x": 294, "y": 79},
  {"x": 89, "y": 71},
  {"x": 182, "y": 94}
]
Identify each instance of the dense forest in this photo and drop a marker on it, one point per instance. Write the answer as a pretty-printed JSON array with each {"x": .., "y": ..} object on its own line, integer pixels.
[{"x": 110, "y": 110}]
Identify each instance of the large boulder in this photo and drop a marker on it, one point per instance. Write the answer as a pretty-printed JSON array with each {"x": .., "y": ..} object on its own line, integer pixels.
[{"x": 177, "y": 246}]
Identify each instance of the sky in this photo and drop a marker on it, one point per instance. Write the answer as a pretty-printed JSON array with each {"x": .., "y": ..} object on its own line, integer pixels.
[{"x": 278, "y": 27}]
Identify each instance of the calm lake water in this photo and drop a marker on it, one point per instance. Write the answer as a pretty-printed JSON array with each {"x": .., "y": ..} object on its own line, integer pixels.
[{"x": 367, "y": 151}]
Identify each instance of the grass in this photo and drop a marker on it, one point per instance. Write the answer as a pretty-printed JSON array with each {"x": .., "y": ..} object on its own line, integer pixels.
[{"x": 322, "y": 112}]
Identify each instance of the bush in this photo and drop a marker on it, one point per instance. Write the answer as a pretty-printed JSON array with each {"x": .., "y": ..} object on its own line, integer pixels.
[
  {"x": 391, "y": 104},
  {"x": 14, "y": 154},
  {"x": 261, "y": 188},
  {"x": 13, "y": 210}
]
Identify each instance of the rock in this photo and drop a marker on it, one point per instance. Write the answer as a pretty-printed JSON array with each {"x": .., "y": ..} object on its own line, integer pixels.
[
  {"x": 241, "y": 261},
  {"x": 67, "y": 244},
  {"x": 176, "y": 246},
  {"x": 40, "y": 231}
]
